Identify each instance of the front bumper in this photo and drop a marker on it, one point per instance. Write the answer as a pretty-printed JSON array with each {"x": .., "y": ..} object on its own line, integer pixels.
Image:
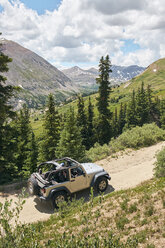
[{"x": 108, "y": 177}]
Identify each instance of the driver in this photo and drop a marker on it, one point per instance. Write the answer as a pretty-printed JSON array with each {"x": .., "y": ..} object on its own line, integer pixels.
[{"x": 62, "y": 176}]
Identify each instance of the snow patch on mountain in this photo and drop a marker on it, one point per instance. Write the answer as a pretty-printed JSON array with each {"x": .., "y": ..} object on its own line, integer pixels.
[{"x": 119, "y": 74}]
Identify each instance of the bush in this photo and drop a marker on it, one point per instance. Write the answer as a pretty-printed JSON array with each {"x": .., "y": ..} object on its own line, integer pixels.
[
  {"x": 160, "y": 164},
  {"x": 98, "y": 152},
  {"x": 16, "y": 235},
  {"x": 137, "y": 137}
]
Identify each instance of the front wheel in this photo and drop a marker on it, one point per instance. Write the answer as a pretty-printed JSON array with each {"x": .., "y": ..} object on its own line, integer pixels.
[
  {"x": 101, "y": 184},
  {"x": 58, "y": 198}
]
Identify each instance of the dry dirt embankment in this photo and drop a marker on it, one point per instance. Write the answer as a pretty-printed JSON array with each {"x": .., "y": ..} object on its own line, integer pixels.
[{"x": 127, "y": 170}]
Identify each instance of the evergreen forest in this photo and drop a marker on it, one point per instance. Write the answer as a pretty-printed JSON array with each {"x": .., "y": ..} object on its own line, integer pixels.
[{"x": 71, "y": 133}]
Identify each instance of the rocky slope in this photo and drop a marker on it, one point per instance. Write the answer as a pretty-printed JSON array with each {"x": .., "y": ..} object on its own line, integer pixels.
[{"x": 34, "y": 75}]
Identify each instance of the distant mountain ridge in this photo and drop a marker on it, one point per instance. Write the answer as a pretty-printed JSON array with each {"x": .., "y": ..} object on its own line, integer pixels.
[
  {"x": 35, "y": 76},
  {"x": 119, "y": 74}
]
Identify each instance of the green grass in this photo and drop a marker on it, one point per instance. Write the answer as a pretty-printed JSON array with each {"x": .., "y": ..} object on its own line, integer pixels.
[{"x": 101, "y": 222}]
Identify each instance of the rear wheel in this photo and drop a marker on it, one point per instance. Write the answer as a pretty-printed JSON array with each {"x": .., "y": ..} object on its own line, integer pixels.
[
  {"x": 33, "y": 187},
  {"x": 58, "y": 198},
  {"x": 101, "y": 184}
]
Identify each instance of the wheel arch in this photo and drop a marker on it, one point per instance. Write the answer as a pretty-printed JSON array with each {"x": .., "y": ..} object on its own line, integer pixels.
[
  {"x": 54, "y": 191},
  {"x": 99, "y": 175}
]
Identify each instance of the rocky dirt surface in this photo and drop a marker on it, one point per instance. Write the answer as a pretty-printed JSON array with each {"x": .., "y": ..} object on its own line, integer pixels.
[{"x": 127, "y": 170}]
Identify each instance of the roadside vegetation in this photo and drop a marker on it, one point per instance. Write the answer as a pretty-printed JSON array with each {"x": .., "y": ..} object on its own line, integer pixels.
[
  {"x": 135, "y": 138},
  {"x": 160, "y": 164},
  {"x": 127, "y": 219}
]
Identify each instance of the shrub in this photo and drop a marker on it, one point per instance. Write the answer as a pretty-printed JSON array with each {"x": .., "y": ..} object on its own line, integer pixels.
[
  {"x": 120, "y": 223},
  {"x": 98, "y": 152},
  {"x": 135, "y": 138},
  {"x": 17, "y": 235},
  {"x": 133, "y": 208},
  {"x": 160, "y": 164},
  {"x": 124, "y": 205},
  {"x": 149, "y": 211}
]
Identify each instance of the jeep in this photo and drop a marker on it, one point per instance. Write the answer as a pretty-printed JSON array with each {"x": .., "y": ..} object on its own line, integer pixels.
[{"x": 57, "y": 179}]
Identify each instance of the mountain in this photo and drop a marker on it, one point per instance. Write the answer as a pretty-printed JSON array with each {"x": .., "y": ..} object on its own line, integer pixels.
[
  {"x": 153, "y": 75},
  {"x": 82, "y": 77},
  {"x": 88, "y": 77},
  {"x": 35, "y": 76},
  {"x": 125, "y": 73}
]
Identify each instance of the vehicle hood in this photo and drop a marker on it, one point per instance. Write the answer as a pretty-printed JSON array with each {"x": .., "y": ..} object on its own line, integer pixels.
[{"x": 91, "y": 168}]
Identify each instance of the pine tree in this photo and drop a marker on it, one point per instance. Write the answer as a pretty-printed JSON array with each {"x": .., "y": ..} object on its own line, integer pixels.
[
  {"x": 8, "y": 167},
  {"x": 70, "y": 143},
  {"x": 115, "y": 123},
  {"x": 104, "y": 86},
  {"x": 32, "y": 156},
  {"x": 131, "y": 117},
  {"x": 104, "y": 130},
  {"x": 122, "y": 116},
  {"x": 82, "y": 121},
  {"x": 153, "y": 108},
  {"x": 6, "y": 114},
  {"x": 157, "y": 111},
  {"x": 162, "y": 114},
  {"x": 91, "y": 133},
  {"x": 48, "y": 145},
  {"x": 142, "y": 107},
  {"x": 23, "y": 138}
]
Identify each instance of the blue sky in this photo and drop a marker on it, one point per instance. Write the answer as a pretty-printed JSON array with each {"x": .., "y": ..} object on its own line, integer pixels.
[
  {"x": 81, "y": 31},
  {"x": 129, "y": 46},
  {"x": 42, "y": 5}
]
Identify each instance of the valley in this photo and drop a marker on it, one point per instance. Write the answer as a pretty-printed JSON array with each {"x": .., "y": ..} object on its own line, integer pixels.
[{"x": 36, "y": 78}]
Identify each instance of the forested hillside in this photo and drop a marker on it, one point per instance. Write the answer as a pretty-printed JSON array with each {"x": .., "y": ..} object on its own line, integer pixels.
[{"x": 74, "y": 129}]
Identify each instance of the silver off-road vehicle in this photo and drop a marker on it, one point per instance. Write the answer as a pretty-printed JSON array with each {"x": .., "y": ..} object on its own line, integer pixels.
[{"x": 56, "y": 180}]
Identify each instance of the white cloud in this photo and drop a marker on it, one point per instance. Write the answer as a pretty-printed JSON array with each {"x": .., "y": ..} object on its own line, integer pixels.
[{"x": 83, "y": 30}]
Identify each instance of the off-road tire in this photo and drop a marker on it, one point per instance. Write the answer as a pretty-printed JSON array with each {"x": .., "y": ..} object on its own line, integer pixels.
[
  {"x": 101, "y": 184},
  {"x": 33, "y": 187},
  {"x": 58, "y": 197}
]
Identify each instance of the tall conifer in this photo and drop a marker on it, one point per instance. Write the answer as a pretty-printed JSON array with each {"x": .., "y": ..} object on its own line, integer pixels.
[
  {"x": 131, "y": 117},
  {"x": 48, "y": 145},
  {"x": 82, "y": 121},
  {"x": 122, "y": 116},
  {"x": 162, "y": 114},
  {"x": 115, "y": 123},
  {"x": 6, "y": 113},
  {"x": 142, "y": 107},
  {"x": 91, "y": 133},
  {"x": 32, "y": 156},
  {"x": 70, "y": 143},
  {"x": 104, "y": 130},
  {"x": 23, "y": 138}
]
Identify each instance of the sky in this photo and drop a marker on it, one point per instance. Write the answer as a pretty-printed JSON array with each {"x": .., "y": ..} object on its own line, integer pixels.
[{"x": 79, "y": 32}]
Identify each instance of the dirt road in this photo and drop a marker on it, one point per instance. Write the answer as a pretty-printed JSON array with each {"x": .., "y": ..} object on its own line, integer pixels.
[{"x": 127, "y": 170}]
